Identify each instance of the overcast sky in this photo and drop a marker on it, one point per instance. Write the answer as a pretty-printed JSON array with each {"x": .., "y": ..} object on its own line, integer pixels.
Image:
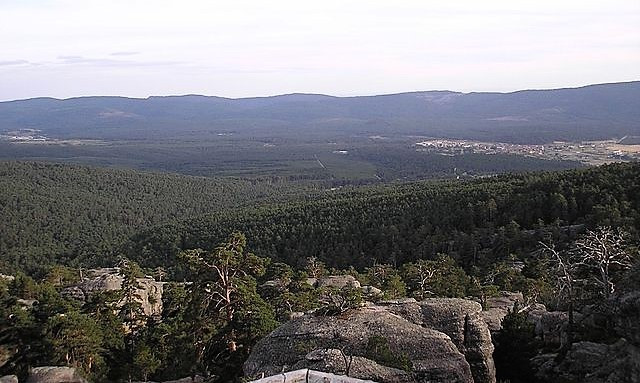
[{"x": 237, "y": 48}]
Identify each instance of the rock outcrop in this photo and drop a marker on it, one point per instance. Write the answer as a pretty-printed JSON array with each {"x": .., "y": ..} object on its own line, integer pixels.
[
  {"x": 345, "y": 282},
  {"x": 589, "y": 362},
  {"x": 498, "y": 307},
  {"x": 332, "y": 359},
  {"x": 550, "y": 326},
  {"x": 195, "y": 379},
  {"x": 309, "y": 376},
  {"x": 338, "y": 282},
  {"x": 371, "y": 292},
  {"x": 444, "y": 340},
  {"x": 109, "y": 279},
  {"x": 462, "y": 321},
  {"x": 9, "y": 379},
  {"x": 50, "y": 374}
]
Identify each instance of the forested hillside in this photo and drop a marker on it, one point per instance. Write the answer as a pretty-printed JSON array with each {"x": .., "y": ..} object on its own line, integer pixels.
[
  {"x": 422, "y": 239},
  {"x": 82, "y": 216},
  {"x": 366, "y": 160},
  {"x": 78, "y": 215},
  {"x": 476, "y": 222}
]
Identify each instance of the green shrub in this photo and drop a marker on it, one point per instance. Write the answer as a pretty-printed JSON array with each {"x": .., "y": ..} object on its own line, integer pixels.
[{"x": 378, "y": 350}]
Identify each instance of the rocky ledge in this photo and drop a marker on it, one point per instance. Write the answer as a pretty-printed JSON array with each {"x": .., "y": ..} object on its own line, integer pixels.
[
  {"x": 436, "y": 340},
  {"x": 50, "y": 374},
  {"x": 109, "y": 279},
  {"x": 590, "y": 362},
  {"x": 309, "y": 376}
]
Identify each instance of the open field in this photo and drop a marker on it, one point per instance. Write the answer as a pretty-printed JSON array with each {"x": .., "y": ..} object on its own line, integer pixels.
[
  {"x": 629, "y": 149},
  {"x": 341, "y": 160}
]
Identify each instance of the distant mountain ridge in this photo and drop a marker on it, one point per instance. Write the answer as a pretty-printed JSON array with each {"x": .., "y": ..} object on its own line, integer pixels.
[{"x": 591, "y": 112}]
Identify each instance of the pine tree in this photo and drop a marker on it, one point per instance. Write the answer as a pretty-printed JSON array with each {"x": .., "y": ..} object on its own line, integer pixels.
[
  {"x": 75, "y": 340},
  {"x": 515, "y": 346},
  {"x": 225, "y": 308}
]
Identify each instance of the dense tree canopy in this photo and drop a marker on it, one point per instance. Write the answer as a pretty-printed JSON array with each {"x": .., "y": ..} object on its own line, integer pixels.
[
  {"x": 477, "y": 223},
  {"x": 225, "y": 290},
  {"x": 77, "y": 215}
]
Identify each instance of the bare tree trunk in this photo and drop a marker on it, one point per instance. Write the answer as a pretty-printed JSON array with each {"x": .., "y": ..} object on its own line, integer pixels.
[{"x": 570, "y": 325}]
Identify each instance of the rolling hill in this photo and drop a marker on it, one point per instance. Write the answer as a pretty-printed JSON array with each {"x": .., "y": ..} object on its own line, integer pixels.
[{"x": 529, "y": 116}]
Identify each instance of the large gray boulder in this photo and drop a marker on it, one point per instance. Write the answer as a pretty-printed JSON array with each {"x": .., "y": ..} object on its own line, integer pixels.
[
  {"x": 462, "y": 321},
  {"x": 332, "y": 359},
  {"x": 9, "y": 379},
  {"x": 49, "y": 374},
  {"x": 298, "y": 343},
  {"x": 309, "y": 376},
  {"x": 109, "y": 279},
  {"x": 338, "y": 282},
  {"x": 195, "y": 379}
]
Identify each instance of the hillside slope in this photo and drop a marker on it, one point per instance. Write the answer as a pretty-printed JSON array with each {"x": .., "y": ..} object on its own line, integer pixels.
[
  {"x": 83, "y": 216},
  {"x": 591, "y": 112},
  {"x": 78, "y": 215},
  {"x": 477, "y": 223}
]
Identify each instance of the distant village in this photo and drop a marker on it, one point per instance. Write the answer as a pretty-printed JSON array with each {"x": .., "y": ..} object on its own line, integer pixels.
[
  {"x": 23, "y": 135},
  {"x": 588, "y": 152},
  {"x": 35, "y": 136}
]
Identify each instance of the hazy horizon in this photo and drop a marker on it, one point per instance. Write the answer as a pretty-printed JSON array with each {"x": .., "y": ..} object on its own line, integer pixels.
[
  {"x": 322, "y": 94},
  {"x": 136, "y": 48}
]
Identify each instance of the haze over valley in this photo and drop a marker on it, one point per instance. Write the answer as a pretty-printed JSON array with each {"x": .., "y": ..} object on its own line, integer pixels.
[
  {"x": 333, "y": 138},
  {"x": 362, "y": 191}
]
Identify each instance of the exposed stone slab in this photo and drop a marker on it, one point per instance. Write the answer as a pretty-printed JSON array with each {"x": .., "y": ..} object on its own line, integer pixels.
[{"x": 434, "y": 357}]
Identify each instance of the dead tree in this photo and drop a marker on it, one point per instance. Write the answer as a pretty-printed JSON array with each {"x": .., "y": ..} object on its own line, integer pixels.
[
  {"x": 566, "y": 273},
  {"x": 602, "y": 252},
  {"x": 592, "y": 262}
]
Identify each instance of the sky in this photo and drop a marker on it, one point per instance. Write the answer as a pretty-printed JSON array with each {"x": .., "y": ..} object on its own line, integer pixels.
[{"x": 242, "y": 48}]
